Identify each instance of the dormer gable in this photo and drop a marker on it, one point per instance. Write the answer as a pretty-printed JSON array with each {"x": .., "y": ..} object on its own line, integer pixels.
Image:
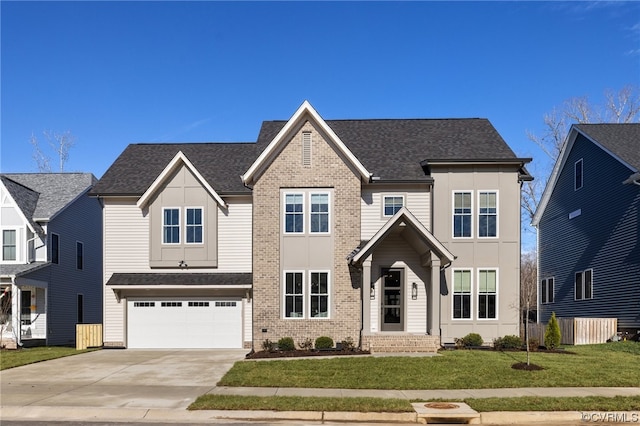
[{"x": 304, "y": 113}]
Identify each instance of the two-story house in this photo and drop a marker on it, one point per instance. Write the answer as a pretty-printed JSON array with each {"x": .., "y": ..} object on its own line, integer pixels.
[
  {"x": 51, "y": 264},
  {"x": 397, "y": 234},
  {"x": 588, "y": 224}
]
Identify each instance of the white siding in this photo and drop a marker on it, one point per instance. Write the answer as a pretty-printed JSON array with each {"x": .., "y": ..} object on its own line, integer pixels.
[
  {"x": 372, "y": 215},
  {"x": 234, "y": 237}
]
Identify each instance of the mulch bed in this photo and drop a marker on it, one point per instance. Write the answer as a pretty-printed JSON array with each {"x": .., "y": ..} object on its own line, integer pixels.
[
  {"x": 301, "y": 353},
  {"x": 525, "y": 366}
]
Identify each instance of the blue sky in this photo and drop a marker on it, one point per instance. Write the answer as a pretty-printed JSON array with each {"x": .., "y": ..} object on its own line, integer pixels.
[{"x": 114, "y": 73}]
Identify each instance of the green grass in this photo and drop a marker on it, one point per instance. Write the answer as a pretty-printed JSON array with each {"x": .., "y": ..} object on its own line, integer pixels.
[
  {"x": 380, "y": 405},
  {"x": 15, "y": 358},
  {"x": 612, "y": 364}
]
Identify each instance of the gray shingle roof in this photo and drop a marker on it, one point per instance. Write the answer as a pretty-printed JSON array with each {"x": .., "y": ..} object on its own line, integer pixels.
[
  {"x": 622, "y": 139},
  {"x": 20, "y": 270},
  {"x": 389, "y": 148},
  {"x": 54, "y": 191},
  {"x": 150, "y": 279}
]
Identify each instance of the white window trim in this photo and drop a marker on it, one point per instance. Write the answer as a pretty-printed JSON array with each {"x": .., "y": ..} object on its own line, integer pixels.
[
  {"x": 574, "y": 285},
  {"x": 576, "y": 188},
  {"x": 284, "y": 294},
  {"x": 385, "y": 196},
  {"x": 202, "y": 225},
  {"x": 284, "y": 212},
  {"x": 542, "y": 290},
  {"x": 308, "y": 208},
  {"x": 83, "y": 258},
  {"x": 477, "y": 293},
  {"x": 163, "y": 225},
  {"x": 19, "y": 248},
  {"x": 308, "y": 299},
  {"x": 453, "y": 212},
  {"x": 497, "y": 212},
  {"x": 471, "y": 293}
]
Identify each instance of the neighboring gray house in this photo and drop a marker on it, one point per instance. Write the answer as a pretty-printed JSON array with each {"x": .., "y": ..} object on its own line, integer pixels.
[
  {"x": 398, "y": 234},
  {"x": 588, "y": 225},
  {"x": 51, "y": 261}
]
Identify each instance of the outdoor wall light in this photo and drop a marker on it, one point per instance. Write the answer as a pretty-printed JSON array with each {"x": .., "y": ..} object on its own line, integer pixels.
[
  {"x": 414, "y": 291},
  {"x": 372, "y": 291}
]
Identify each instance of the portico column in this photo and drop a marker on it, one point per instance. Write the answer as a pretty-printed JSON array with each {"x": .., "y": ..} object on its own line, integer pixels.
[
  {"x": 366, "y": 299},
  {"x": 434, "y": 297}
]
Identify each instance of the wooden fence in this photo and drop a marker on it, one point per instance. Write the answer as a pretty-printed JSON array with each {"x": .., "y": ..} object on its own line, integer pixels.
[
  {"x": 579, "y": 331},
  {"x": 88, "y": 336}
]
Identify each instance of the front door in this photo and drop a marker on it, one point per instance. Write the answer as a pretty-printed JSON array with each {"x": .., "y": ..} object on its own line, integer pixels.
[{"x": 392, "y": 300}]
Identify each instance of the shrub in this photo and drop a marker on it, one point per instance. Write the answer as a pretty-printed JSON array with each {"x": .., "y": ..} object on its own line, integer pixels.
[
  {"x": 306, "y": 344},
  {"x": 348, "y": 344},
  {"x": 286, "y": 344},
  {"x": 534, "y": 343},
  {"x": 268, "y": 346},
  {"x": 552, "y": 333},
  {"x": 324, "y": 342},
  {"x": 472, "y": 339},
  {"x": 507, "y": 342}
]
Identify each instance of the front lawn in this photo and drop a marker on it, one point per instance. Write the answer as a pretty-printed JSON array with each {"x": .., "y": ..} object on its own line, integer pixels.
[
  {"x": 10, "y": 358},
  {"x": 612, "y": 364}
]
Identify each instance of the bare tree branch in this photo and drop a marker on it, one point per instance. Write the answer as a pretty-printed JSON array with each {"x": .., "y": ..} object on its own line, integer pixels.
[
  {"x": 43, "y": 162},
  {"x": 60, "y": 143}
]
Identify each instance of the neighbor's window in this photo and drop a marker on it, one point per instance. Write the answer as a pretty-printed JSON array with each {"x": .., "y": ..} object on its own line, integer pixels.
[
  {"x": 462, "y": 294},
  {"x": 488, "y": 214},
  {"x": 171, "y": 226},
  {"x": 392, "y": 203},
  {"x": 194, "y": 225},
  {"x": 487, "y": 291},
  {"x": 319, "y": 294},
  {"x": 80, "y": 308},
  {"x": 547, "y": 295},
  {"x": 9, "y": 244},
  {"x": 79, "y": 255},
  {"x": 578, "y": 176},
  {"x": 583, "y": 285},
  {"x": 462, "y": 214},
  {"x": 293, "y": 295},
  {"x": 294, "y": 213},
  {"x": 55, "y": 248},
  {"x": 319, "y": 213}
]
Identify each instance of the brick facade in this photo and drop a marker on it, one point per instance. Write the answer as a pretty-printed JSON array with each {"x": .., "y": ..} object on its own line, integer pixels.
[{"x": 328, "y": 169}]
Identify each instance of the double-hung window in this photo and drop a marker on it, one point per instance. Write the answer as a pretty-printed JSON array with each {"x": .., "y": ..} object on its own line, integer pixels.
[
  {"x": 9, "y": 246},
  {"x": 171, "y": 226},
  {"x": 462, "y": 294},
  {"x": 546, "y": 288},
  {"x": 294, "y": 213},
  {"x": 194, "y": 225},
  {"x": 392, "y": 203},
  {"x": 79, "y": 255},
  {"x": 577, "y": 175},
  {"x": 55, "y": 248},
  {"x": 487, "y": 292},
  {"x": 319, "y": 294},
  {"x": 319, "y": 213},
  {"x": 488, "y": 214},
  {"x": 293, "y": 295},
  {"x": 584, "y": 285},
  {"x": 462, "y": 214}
]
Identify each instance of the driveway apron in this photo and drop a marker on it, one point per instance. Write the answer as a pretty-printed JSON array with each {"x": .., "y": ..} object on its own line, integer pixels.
[{"x": 131, "y": 378}]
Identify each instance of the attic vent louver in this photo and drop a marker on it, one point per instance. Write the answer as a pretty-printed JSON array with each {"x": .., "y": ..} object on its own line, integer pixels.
[{"x": 306, "y": 148}]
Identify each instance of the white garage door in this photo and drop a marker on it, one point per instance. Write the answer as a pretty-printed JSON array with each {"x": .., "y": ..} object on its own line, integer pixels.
[{"x": 184, "y": 323}]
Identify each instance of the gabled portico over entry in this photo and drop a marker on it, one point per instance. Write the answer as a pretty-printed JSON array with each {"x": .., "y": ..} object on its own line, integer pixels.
[{"x": 402, "y": 286}]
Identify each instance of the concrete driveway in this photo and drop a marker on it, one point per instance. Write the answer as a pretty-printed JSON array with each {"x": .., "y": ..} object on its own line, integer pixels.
[{"x": 118, "y": 378}]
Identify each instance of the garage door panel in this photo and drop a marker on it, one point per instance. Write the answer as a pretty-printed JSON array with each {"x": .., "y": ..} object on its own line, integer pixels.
[{"x": 175, "y": 323}]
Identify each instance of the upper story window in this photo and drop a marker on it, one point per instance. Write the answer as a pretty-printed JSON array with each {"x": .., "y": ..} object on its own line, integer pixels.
[
  {"x": 79, "y": 255},
  {"x": 294, "y": 213},
  {"x": 171, "y": 226},
  {"x": 320, "y": 213},
  {"x": 584, "y": 285},
  {"x": 546, "y": 288},
  {"x": 462, "y": 294},
  {"x": 194, "y": 225},
  {"x": 488, "y": 214},
  {"x": 392, "y": 203},
  {"x": 55, "y": 248},
  {"x": 487, "y": 293},
  {"x": 462, "y": 214},
  {"x": 577, "y": 175},
  {"x": 9, "y": 244}
]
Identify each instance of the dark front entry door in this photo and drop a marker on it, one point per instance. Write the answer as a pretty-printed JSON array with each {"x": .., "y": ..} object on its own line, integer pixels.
[{"x": 392, "y": 300}]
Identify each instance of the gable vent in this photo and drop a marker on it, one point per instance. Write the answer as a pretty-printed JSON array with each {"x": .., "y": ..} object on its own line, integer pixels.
[{"x": 306, "y": 148}]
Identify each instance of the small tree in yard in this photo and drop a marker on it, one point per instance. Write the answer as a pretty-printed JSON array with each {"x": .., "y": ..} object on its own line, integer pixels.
[{"x": 552, "y": 333}]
